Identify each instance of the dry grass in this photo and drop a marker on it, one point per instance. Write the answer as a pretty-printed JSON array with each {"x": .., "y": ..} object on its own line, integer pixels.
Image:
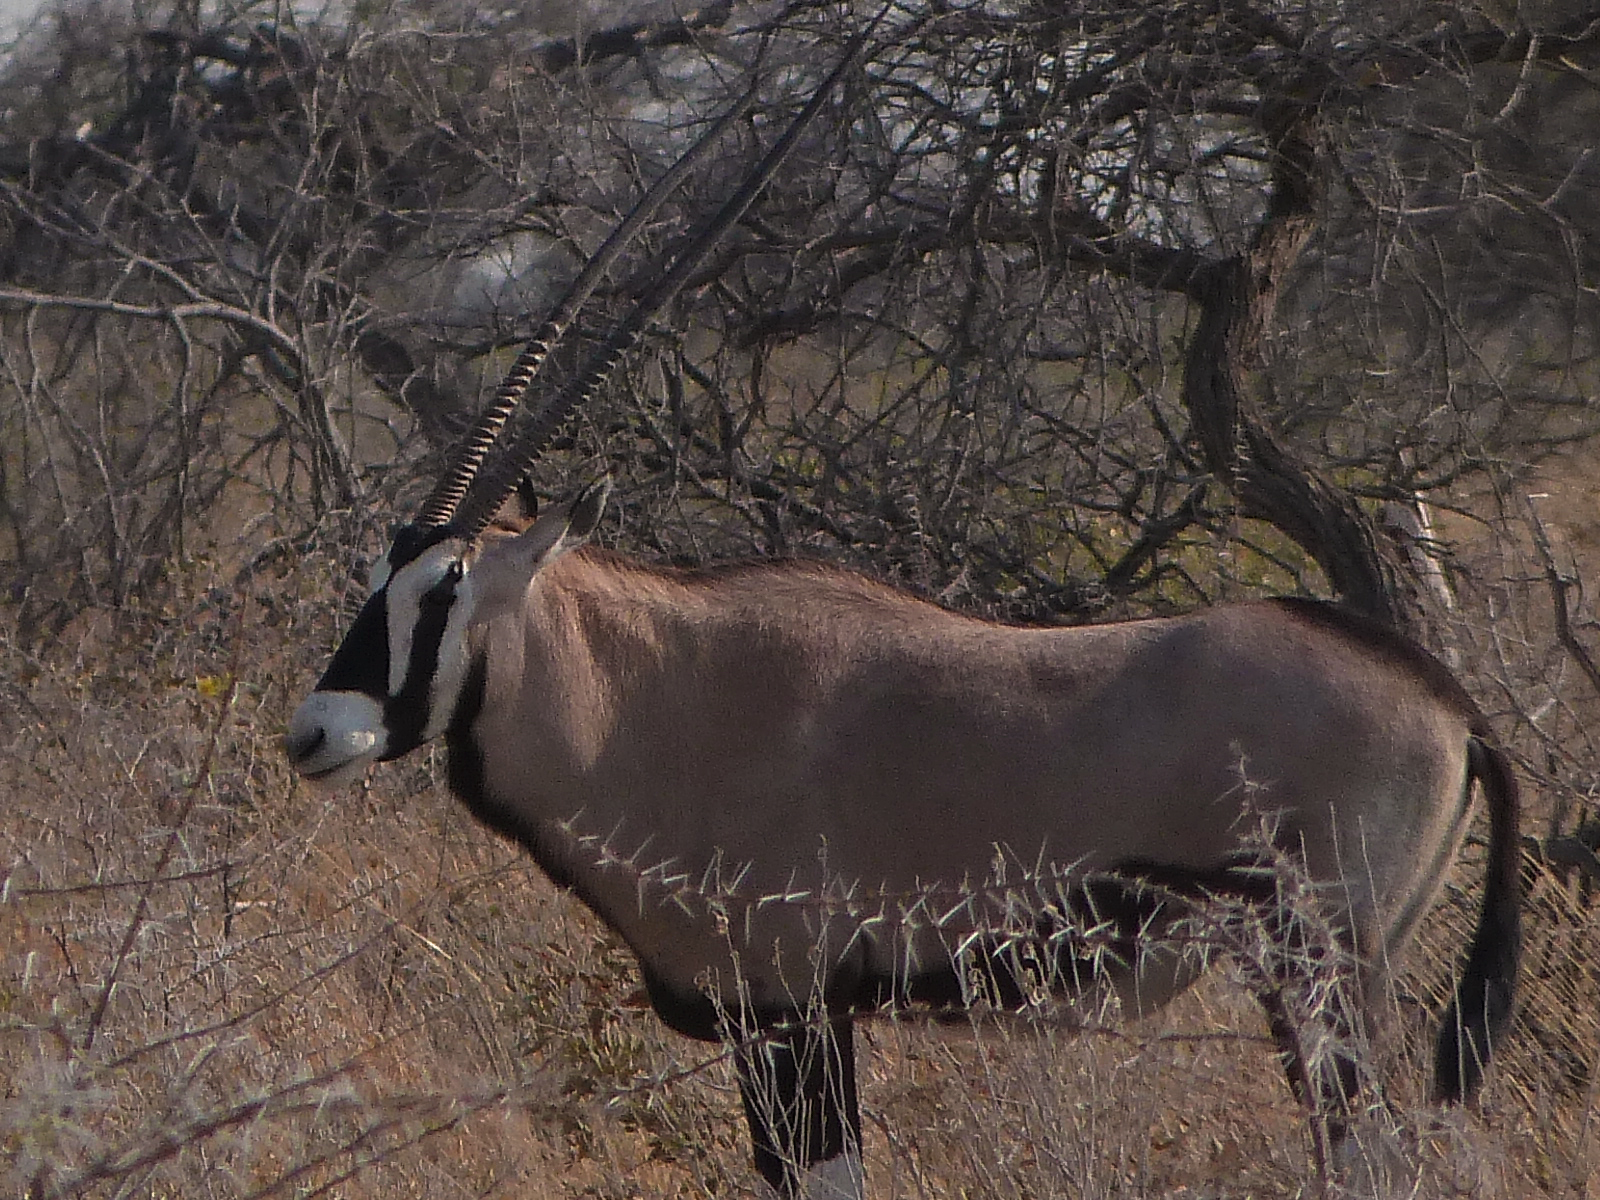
[
  {"x": 216, "y": 983},
  {"x": 302, "y": 985}
]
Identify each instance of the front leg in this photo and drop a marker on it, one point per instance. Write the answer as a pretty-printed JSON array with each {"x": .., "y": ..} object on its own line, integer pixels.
[{"x": 799, "y": 1089}]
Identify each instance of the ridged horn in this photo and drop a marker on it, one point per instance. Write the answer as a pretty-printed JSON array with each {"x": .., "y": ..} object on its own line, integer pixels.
[
  {"x": 489, "y": 491},
  {"x": 467, "y": 458}
]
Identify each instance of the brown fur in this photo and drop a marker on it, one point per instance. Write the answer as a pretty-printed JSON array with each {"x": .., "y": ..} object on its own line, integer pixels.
[{"x": 821, "y": 733}]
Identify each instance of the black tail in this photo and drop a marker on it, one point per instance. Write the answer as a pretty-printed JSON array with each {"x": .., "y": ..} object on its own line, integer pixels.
[{"x": 1485, "y": 995}]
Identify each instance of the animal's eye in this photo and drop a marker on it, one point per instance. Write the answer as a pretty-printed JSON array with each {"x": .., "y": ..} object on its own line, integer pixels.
[{"x": 444, "y": 591}]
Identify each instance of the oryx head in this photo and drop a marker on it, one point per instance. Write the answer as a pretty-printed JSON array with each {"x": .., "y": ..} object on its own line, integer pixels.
[{"x": 396, "y": 680}]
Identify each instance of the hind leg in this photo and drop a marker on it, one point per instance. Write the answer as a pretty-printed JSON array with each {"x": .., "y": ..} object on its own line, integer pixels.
[
  {"x": 1315, "y": 993},
  {"x": 799, "y": 1090},
  {"x": 1318, "y": 1057}
]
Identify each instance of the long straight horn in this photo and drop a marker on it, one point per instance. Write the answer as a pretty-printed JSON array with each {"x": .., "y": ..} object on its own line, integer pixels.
[
  {"x": 476, "y": 443},
  {"x": 490, "y": 492}
]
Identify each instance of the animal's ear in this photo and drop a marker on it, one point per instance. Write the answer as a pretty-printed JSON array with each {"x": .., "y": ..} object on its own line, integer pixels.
[
  {"x": 585, "y": 512},
  {"x": 563, "y": 527}
]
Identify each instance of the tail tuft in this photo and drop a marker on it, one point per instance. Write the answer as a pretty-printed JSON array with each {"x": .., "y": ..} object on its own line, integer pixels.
[{"x": 1485, "y": 996}]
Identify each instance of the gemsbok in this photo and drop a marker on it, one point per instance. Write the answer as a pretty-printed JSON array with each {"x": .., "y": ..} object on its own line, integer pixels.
[{"x": 759, "y": 774}]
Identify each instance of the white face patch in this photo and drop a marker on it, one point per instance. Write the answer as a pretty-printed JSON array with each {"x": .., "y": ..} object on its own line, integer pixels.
[
  {"x": 379, "y": 575},
  {"x": 408, "y": 596},
  {"x": 451, "y": 671},
  {"x": 433, "y": 599}
]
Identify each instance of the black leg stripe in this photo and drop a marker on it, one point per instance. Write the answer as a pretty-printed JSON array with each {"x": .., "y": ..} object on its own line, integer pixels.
[{"x": 799, "y": 1092}]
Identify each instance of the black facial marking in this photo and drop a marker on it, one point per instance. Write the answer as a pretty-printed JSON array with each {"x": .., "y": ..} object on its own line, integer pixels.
[
  {"x": 405, "y": 714},
  {"x": 410, "y": 541},
  {"x": 361, "y": 663}
]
